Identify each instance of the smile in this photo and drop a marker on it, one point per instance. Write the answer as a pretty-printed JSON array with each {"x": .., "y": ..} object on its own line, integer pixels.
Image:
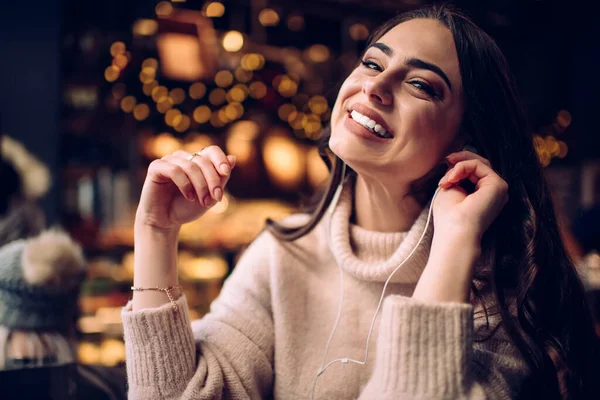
[{"x": 370, "y": 124}]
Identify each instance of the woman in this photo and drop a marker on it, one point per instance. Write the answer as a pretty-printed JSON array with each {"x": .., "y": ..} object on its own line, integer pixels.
[{"x": 482, "y": 302}]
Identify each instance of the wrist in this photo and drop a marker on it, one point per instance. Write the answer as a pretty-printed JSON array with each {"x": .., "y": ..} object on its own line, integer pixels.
[{"x": 143, "y": 229}]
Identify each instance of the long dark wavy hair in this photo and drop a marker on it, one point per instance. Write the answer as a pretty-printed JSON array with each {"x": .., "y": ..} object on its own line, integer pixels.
[{"x": 529, "y": 269}]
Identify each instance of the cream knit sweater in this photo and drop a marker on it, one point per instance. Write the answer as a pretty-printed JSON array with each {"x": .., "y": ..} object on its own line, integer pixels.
[{"x": 266, "y": 333}]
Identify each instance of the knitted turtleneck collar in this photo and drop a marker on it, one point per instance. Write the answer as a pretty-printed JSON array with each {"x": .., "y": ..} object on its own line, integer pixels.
[{"x": 373, "y": 256}]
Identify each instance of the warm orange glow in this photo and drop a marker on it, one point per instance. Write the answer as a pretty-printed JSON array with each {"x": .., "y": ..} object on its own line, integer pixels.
[
  {"x": 180, "y": 56},
  {"x": 215, "y": 10},
  {"x": 127, "y": 104},
  {"x": 237, "y": 94},
  {"x": 552, "y": 146},
  {"x": 258, "y": 90},
  {"x": 165, "y": 144},
  {"x": 197, "y": 90},
  {"x": 234, "y": 111},
  {"x": 215, "y": 120},
  {"x": 295, "y": 22},
  {"x": 141, "y": 112},
  {"x": 296, "y": 120},
  {"x": 564, "y": 149},
  {"x": 563, "y": 119},
  {"x": 268, "y": 17},
  {"x": 359, "y": 32},
  {"x": 285, "y": 110},
  {"x": 195, "y": 142},
  {"x": 150, "y": 63},
  {"x": 203, "y": 268},
  {"x": 177, "y": 95},
  {"x": 117, "y": 48},
  {"x": 317, "y": 53},
  {"x": 252, "y": 61},
  {"x": 184, "y": 124},
  {"x": 202, "y": 114},
  {"x": 173, "y": 117},
  {"x": 316, "y": 170},
  {"x": 112, "y": 73},
  {"x": 287, "y": 87},
  {"x": 222, "y": 115},
  {"x": 318, "y": 104},
  {"x": 159, "y": 94},
  {"x": 224, "y": 78},
  {"x": 147, "y": 75},
  {"x": 233, "y": 41},
  {"x": 240, "y": 140},
  {"x": 164, "y": 9},
  {"x": 284, "y": 160},
  {"x": 120, "y": 61},
  {"x": 164, "y": 105},
  {"x": 217, "y": 97},
  {"x": 243, "y": 75},
  {"x": 145, "y": 27},
  {"x": 312, "y": 126}
]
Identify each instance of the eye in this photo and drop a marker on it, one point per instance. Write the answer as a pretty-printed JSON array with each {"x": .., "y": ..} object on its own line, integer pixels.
[
  {"x": 422, "y": 86},
  {"x": 371, "y": 65}
]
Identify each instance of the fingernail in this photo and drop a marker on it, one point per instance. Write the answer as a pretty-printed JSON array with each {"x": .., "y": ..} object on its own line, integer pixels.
[
  {"x": 442, "y": 181},
  {"x": 234, "y": 159},
  {"x": 218, "y": 194},
  {"x": 225, "y": 169},
  {"x": 191, "y": 196},
  {"x": 207, "y": 200}
]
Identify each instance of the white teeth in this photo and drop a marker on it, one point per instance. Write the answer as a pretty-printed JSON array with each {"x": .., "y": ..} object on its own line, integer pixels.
[{"x": 369, "y": 124}]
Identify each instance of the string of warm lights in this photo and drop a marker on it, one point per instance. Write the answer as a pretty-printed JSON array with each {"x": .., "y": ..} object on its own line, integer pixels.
[
  {"x": 223, "y": 102},
  {"x": 548, "y": 146}
]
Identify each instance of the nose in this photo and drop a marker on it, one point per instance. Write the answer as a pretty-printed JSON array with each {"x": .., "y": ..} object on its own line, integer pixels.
[{"x": 377, "y": 88}]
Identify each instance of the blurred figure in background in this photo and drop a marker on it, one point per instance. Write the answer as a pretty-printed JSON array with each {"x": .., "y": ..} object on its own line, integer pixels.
[{"x": 41, "y": 272}]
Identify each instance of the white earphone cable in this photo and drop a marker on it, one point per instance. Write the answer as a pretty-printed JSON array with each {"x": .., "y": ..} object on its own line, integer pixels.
[{"x": 346, "y": 360}]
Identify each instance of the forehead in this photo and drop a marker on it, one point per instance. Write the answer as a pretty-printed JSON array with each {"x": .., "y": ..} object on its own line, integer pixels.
[{"x": 428, "y": 40}]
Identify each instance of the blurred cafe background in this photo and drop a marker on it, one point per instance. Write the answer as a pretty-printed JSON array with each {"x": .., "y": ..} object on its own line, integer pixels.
[{"x": 97, "y": 89}]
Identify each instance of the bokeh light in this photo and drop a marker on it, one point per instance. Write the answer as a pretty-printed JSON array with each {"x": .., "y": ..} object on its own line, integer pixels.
[
  {"x": 215, "y": 10},
  {"x": 233, "y": 41},
  {"x": 268, "y": 17}
]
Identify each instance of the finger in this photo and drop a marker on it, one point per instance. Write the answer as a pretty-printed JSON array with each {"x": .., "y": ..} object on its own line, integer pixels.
[
  {"x": 454, "y": 158},
  {"x": 232, "y": 160},
  {"x": 212, "y": 177},
  {"x": 162, "y": 171},
  {"x": 195, "y": 176},
  {"x": 474, "y": 170},
  {"x": 216, "y": 155}
]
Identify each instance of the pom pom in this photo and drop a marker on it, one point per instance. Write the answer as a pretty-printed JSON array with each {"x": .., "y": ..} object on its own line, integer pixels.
[{"x": 53, "y": 259}]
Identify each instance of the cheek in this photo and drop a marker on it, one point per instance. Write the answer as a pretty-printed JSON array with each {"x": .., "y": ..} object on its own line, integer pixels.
[
  {"x": 350, "y": 87},
  {"x": 428, "y": 120}
]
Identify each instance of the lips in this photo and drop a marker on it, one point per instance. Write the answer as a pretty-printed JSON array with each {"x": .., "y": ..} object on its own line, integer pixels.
[{"x": 383, "y": 130}]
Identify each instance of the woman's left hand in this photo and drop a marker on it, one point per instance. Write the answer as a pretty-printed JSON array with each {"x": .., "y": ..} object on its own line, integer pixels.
[
  {"x": 455, "y": 210},
  {"x": 459, "y": 220}
]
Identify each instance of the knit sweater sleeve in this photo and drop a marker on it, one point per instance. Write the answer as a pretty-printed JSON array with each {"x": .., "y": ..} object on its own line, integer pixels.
[
  {"x": 228, "y": 354},
  {"x": 427, "y": 351}
]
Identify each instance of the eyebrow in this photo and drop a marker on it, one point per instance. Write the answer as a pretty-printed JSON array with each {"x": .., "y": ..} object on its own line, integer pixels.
[{"x": 414, "y": 62}]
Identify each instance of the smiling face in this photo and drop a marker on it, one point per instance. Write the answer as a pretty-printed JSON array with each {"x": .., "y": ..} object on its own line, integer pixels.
[{"x": 399, "y": 111}]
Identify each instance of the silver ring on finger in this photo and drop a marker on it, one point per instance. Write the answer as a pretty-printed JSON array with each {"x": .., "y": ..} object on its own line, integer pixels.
[{"x": 191, "y": 156}]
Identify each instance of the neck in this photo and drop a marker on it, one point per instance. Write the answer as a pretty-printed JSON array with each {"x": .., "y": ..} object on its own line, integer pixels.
[{"x": 383, "y": 207}]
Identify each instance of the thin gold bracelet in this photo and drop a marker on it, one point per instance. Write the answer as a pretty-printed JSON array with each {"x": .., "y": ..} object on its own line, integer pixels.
[{"x": 167, "y": 290}]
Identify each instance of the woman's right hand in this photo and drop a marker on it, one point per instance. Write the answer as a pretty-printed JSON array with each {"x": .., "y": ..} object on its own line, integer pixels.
[{"x": 177, "y": 190}]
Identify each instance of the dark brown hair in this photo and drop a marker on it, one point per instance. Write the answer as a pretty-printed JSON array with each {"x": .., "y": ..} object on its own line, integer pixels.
[{"x": 528, "y": 264}]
